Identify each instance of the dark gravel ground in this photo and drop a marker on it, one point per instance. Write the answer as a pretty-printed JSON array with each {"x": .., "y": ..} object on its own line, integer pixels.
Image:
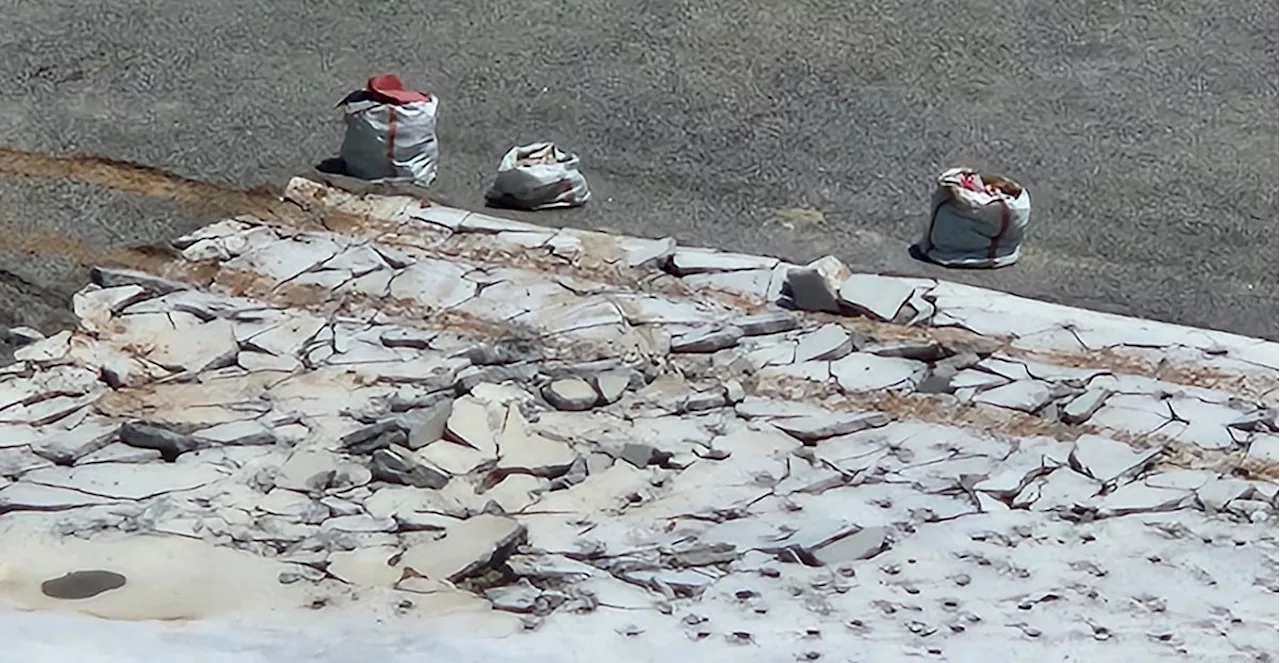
[{"x": 1146, "y": 130}]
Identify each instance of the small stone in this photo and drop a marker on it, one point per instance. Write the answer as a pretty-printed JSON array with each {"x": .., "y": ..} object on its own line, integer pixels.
[
  {"x": 395, "y": 466},
  {"x": 761, "y": 324},
  {"x": 570, "y": 394},
  {"x": 170, "y": 444},
  {"x": 706, "y": 340},
  {"x": 82, "y": 584}
]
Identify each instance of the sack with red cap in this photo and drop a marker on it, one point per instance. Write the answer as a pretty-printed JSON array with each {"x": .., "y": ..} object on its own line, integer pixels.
[{"x": 391, "y": 133}]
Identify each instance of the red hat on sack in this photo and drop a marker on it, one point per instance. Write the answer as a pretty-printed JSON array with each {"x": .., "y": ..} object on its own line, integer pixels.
[{"x": 388, "y": 88}]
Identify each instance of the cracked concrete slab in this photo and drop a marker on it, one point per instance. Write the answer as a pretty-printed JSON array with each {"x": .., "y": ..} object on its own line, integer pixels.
[{"x": 552, "y": 427}]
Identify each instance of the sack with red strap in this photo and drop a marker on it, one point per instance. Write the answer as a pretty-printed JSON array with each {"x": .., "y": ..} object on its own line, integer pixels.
[
  {"x": 391, "y": 133},
  {"x": 978, "y": 221}
]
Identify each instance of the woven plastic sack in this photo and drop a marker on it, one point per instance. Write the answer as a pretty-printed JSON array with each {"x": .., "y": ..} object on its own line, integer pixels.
[
  {"x": 538, "y": 176},
  {"x": 390, "y": 142},
  {"x": 978, "y": 221}
]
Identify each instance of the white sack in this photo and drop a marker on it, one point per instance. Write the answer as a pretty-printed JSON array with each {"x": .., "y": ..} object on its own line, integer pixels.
[
  {"x": 391, "y": 143},
  {"x": 538, "y": 176},
  {"x": 971, "y": 228}
]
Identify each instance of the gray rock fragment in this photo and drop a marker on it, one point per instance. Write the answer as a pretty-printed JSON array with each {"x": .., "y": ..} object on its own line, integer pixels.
[
  {"x": 120, "y": 453},
  {"x": 812, "y": 429},
  {"x": 773, "y": 322},
  {"x": 571, "y": 394},
  {"x": 1258, "y": 421},
  {"x": 1083, "y": 406},
  {"x": 169, "y": 443},
  {"x": 706, "y": 340},
  {"x": 395, "y": 466}
]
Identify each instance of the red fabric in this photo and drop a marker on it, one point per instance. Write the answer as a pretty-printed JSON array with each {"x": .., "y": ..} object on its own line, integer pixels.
[{"x": 387, "y": 88}]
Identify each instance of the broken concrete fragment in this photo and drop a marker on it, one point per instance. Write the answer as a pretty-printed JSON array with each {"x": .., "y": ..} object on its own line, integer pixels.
[
  {"x": 570, "y": 394},
  {"x": 814, "y": 287},
  {"x": 828, "y": 342},
  {"x": 920, "y": 350},
  {"x": 706, "y": 340},
  {"x": 860, "y": 372},
  {"x": 469, "y": 423},
  {"x": 812, "y": 429},
  {"x": 700, "y": 261},
  {"x": 863, "y": 544},
  {"x": 467, "y": 549},
  {"x": 880, "y": 297},
  {"x": 761, "y": 324},
  {"x": 65, "y": 447},
  {"x": 94, "y": 308},
  {"x": 23, "y": 496},
  {"x": 426, "y": 425},
  {"x": 1083, "y": 406},
  {"x": 126, "y": 481},
  {"x": 524, "y": 450},
  {"x": 640, "y": 455},
  {"x": 169, "y": 443},
  {"x": 395, "y": 466},
  {"x": 117, "y": 452},
  {"x": 611, "y": 385},
  {"x": 319, "y": 471},
  {"x": 199, "y": 348},
  {"x": 1106, "y": 460},
  {"x": 1140, "y": 498},
  {"x": 109, "y": 277},
  {"x": 247, "y": 433},
  {"x": 453, "y": 458},
  {"x": 1022, "y": 395},
  {"x": 365, "y": 567}
]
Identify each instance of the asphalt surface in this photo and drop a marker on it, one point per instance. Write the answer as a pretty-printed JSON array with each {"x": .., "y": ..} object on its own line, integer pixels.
[{"x": 1146, "y": 131}]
